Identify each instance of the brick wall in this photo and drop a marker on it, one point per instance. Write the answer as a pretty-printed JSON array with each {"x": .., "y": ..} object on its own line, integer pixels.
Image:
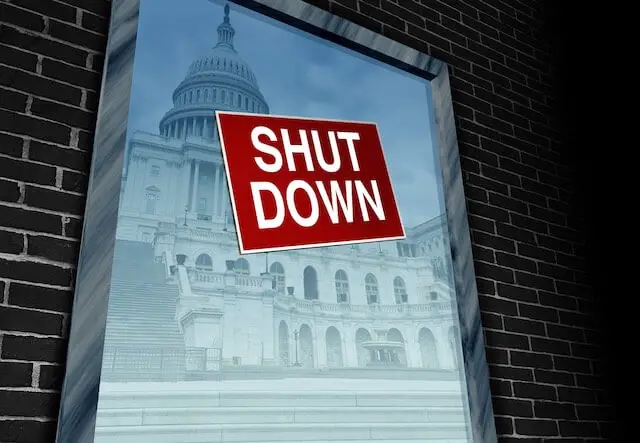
[{"x": 538, "y": 311}]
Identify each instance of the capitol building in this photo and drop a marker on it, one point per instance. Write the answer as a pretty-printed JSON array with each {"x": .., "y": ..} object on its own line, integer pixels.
[{"x": 186, "y": 307}]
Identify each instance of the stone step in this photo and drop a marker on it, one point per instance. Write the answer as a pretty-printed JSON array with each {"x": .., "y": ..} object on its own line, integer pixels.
[
  {"x": 121, "y": 320},
  {"x": 148, "y": 329},
  {"x": 286, "y": 432},
  {"x": 143, "y": 303},
  {"x": 140, "y": 288},
  {"x": 266, "y": 399},
  {"x": 257, "y": 415},
  {"x": 368, "y": 440}
]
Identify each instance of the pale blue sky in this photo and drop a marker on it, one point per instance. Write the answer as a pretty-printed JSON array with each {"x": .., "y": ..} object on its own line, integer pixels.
[{"x": 299, "y": 75}]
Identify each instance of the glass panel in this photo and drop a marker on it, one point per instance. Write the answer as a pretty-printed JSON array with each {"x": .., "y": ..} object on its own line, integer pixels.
[{"x": 345, "y": 343}]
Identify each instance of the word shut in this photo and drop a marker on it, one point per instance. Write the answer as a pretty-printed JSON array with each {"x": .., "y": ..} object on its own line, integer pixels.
[{"x": 297, "y": 183}]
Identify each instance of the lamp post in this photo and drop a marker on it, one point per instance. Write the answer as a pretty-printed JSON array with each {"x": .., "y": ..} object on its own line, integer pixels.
[
  {"x": 295, "y": 338},
  {"x": 186, "y": 210},
  {"x": 226, "y": 216}
]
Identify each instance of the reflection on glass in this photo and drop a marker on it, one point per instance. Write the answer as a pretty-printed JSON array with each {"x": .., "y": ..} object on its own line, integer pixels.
[{"x": 348, "y": 343}]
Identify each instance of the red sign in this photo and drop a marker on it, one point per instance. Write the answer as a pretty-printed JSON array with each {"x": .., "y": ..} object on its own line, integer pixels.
[{"x": 297, "y": 183}]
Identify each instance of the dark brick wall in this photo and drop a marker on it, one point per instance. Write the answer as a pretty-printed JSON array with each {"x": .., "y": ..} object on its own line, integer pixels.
[{"x": 542, "y": 336}]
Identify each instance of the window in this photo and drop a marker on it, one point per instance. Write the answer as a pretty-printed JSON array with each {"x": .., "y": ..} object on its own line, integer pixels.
[
  {"x": 342, "y": 286},
  {"x": 206, "y": 95},
  {"x": 204, "y": 263},
  {"x": 241, "y": 266},
  {"x": 151, "y": 197},
  {"x": 246, "y": 103},
  {"x": 433, "y": 295},
  {"x": 223, "y": 95},
  {"x": 155, "y": 171},
  {"x": 239, "y": 101},
  {"x": 310, "y": 282},
  {"x": 371, "y": 289},
  {"x": 202, "y": 205},
  {"x": 198, "y": 96},
  {"x": 277, "y": 270},
  {"x": 399, "y": 290}
]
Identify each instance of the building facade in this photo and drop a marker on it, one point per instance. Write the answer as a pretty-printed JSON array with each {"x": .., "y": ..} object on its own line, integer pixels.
[{"x": 386, "y": 304}]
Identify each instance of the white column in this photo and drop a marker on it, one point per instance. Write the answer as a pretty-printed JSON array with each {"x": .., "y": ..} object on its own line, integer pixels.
[
  {"x": 412, "y": 348},
  {"x": 182, "y": 194},
  {"x": 225, "y": 194},
  {"x": 130, "y": 189},
  {"x": 196, "y": 180},
  {"x": 216, "y": 192},
  {"x": 443, "y": 348},
  {"x": 140, "y": 185}
]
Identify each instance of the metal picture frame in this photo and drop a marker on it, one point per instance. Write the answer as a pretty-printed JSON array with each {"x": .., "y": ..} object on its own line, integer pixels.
[{"x": 77, "y": 417}]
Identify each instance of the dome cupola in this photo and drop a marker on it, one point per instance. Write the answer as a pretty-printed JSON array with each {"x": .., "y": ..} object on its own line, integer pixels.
[{"x": 217, "y": 80}]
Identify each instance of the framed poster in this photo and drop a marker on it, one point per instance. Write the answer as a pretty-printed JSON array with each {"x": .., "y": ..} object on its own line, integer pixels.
[{"x": 187, "y": 326}]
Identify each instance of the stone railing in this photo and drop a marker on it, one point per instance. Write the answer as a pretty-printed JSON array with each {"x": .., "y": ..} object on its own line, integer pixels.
[
  {"x": 212, "y": 280},
  {"x": 206, "y": 277},
  {"x": 289, "y": 303}
]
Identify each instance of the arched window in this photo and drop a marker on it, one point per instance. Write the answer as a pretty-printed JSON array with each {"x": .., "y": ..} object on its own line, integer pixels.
[
  {"x": 231, "y": 98},
  {"x": 310, "y": 280},
  {"x": 241, "y": 266},
  {"x": 190, "y": 96},
  {"x": 215, "y": 94},
  {"x": 206, "y": 95},
  {"x": 371, "y": 289},
  {"x": 277, "y": 270},
  {"x": 223, "y": 95},
  {"x": 246, "y": 103},
  {"x": 198, "y": 96},
  {"x": 151, "y": 196},
  {"x": 204, "y": 263},
  {"x": 400, "y": 290},
  {"x": 342, "y": 286}
]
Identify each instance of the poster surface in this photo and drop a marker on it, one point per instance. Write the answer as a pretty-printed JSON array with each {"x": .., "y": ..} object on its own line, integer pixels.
[
  {"x": 300, "y": 182},
  {"x": 357, "y": 342}
]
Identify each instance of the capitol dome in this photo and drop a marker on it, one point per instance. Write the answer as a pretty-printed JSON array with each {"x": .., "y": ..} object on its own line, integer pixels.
[{"x": 217, "y": 80}]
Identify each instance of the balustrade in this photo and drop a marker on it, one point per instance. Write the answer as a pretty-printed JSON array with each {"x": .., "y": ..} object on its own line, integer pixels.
[
  {"x": 211, "y": 280},
  {"x": 341, "y": 309}
]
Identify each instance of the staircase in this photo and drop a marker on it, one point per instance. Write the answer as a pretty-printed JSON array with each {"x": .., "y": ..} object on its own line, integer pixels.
[
  {"x": 142, "y": 339},
  {"x": 353, "y": 411}
]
